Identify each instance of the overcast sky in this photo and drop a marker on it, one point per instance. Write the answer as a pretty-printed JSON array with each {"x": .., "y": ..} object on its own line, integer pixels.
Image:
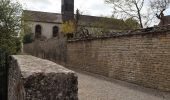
[{"x": 88, "y": 7}]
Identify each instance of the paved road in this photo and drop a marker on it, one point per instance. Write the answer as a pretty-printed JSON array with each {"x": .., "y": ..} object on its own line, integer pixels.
[{"x": 94, "y": 87}]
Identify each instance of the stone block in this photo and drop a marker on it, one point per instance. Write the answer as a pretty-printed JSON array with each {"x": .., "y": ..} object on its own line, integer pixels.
[{"x": 32, "y": 78}]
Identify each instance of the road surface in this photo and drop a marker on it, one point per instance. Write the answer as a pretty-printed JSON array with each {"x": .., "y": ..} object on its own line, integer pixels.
[{"x": 95, "y": 87}]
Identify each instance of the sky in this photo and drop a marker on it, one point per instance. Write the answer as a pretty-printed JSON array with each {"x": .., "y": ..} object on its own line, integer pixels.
[{"x": 87, "y": 7}]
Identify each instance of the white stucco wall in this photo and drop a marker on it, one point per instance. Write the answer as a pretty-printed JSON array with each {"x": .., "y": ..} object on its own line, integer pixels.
[{"x": 47, "y": 28}]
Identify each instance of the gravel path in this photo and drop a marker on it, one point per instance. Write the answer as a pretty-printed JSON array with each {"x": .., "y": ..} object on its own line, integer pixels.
[{"x": 94, "y": 87}]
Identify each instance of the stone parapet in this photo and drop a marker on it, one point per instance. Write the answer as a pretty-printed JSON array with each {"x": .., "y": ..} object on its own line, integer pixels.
[{"x": 32, "y": 78}]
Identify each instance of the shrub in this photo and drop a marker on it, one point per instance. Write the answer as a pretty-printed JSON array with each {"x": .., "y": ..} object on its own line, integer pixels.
[{"x": 28, "y": 38}]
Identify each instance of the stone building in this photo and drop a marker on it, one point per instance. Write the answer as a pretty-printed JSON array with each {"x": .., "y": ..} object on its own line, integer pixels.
[{"x": 49, "y": 24}]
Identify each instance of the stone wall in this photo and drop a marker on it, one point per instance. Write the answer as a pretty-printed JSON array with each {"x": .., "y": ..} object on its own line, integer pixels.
[
  {"x": 52, "y": 49},
  {"x": 137, "y": 58},
  {"x": 32, "y": 78},
  {"x": 141, "y": 59}
]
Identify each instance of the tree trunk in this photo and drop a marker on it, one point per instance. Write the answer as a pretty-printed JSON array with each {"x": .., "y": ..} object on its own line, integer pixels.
[
  {"x": 139, "y": 15},
  {"x": 140, "y": 20}
]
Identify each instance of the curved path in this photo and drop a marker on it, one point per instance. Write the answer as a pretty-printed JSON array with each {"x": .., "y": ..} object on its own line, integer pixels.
[{"x": 95, "y": 87}]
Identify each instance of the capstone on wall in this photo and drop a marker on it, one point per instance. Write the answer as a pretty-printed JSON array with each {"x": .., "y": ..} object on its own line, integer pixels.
[
  {"x": 97, "y": 30},
  {"x": 32, "y": 78}
]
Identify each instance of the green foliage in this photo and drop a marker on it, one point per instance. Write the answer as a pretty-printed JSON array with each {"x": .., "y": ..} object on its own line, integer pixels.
[
  {"x": 11, "y": 46},
  {"x": 25, "y": 34},
  {"x": 10, "y": 25},
  {"x": 107, "y": 24},
  {"x": 132, "y": 23},
  {"x": 28, "y": 38},
  {"x": 68, "y": 27}
]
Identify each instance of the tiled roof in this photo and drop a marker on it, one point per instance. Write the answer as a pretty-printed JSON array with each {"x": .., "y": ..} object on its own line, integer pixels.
[
  {"x": 38, "y": 16},
  {"x": 85, "y": 20},
  {"x": 100, "y": 21}
]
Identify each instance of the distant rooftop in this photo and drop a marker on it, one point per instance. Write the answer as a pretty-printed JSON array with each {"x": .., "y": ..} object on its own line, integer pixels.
[
  {"x": 85, "y": 20},
  {"x": 38, "y": 16}
]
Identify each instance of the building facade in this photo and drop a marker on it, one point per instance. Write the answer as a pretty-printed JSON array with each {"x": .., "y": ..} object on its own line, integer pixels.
[{"x": 48, "y": 25}]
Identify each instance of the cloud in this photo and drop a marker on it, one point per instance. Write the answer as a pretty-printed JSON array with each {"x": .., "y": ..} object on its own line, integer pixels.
[
  {"x": 89, "y": 7},
  {"x": 93, "y": 7}
]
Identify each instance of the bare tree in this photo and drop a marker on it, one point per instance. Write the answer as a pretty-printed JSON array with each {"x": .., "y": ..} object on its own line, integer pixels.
[
  {"x": 160, "y": 6},
  {"x": 142, "y": 10}
]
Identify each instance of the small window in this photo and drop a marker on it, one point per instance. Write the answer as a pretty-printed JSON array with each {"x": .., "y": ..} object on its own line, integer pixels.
[
  {"x": 38, "y": 30},
  {"x": 55, "y": 31}
]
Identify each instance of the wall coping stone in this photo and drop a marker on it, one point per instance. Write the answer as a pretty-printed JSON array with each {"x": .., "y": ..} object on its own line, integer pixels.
[
  {"x": 117, "y": 35},
  {"x": 32, "y": 78},
  {"x": 27, "y": 65}
]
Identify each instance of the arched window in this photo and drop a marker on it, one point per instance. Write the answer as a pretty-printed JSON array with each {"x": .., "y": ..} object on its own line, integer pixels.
[
  {"x": 55, "y": 31},
  {"x": 38, "y": 30}
]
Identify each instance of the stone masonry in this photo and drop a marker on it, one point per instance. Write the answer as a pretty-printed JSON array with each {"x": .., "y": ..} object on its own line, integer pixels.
[
  {"x": 32, "y": 78},
  {"x": 143, "y": 59}
]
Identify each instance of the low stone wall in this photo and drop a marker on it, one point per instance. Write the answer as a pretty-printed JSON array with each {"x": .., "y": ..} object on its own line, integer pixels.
[
  {"x": 53, "y": 49},
  {"x": 32, "y": 78}
]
